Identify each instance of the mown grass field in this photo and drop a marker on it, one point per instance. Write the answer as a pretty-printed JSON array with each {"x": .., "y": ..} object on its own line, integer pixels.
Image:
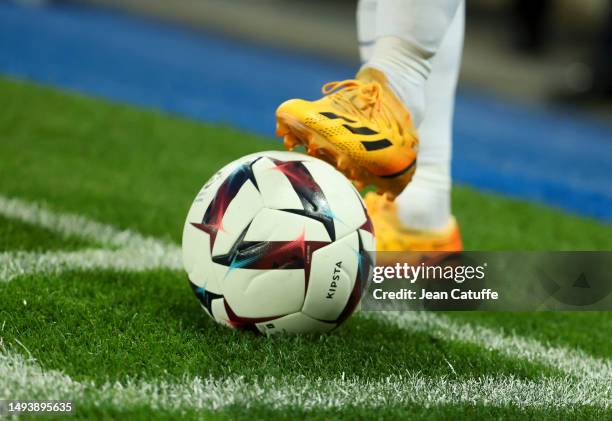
[{"x": 130, "y": 343}]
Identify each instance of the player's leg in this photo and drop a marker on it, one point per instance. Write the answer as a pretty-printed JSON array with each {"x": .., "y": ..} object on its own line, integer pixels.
[
  {"x": 366, "y": 126},
  {"x": 421, "y": 218},
  {"x": 425, "y": 204},
  {"x": 366, "y": 28},
  {"x": 408, "y": 33}
]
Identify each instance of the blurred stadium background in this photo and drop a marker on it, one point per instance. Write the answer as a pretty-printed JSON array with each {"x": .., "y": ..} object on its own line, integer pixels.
[
  {"x": 533, "y": 114},
  {"x": 554, "y": 43}
]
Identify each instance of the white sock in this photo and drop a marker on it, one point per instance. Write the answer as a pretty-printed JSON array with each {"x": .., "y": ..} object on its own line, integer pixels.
[
  {"x": 417, "y": 45},
  {"x": 426, "y": 203}
]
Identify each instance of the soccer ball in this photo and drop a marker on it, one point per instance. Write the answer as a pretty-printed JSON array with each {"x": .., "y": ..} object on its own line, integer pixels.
[{"x": 278, "y": 242}]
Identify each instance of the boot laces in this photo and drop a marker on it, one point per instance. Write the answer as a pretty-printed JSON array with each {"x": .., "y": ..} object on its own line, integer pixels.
[{"x": 355, "y": 97}]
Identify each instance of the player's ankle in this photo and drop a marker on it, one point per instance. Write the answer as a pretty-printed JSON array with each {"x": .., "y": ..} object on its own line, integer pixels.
[
  {"x": 425, "y": 204},
  {"x": 406, "y": 69}
]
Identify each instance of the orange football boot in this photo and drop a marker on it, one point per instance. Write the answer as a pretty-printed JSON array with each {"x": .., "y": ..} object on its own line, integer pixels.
[
  {"x": 360, "y": 127},
  {"x": 393, "y": 236}
]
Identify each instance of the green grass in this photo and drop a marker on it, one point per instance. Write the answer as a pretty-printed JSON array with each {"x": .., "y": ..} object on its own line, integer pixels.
[
  {"x": 140, "y": 170},
  {"x": 17, "y": 235}
]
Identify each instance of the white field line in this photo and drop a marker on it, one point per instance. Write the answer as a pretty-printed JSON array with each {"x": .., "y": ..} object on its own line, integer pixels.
[
  {"x": 15, "y": 264},
  {"x": 24, "y": 379},
  {"x": 133, "y": 251},
  {"x": 68, "y": 224},
  {"x": 571, "y": 361}
]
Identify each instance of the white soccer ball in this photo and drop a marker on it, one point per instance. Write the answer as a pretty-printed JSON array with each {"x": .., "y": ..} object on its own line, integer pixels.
[{"x": 278, "y": 242}]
